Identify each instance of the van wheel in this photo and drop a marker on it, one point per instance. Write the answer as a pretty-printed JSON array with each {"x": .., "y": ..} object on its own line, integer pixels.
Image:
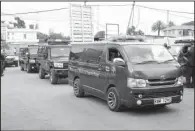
[
  {"x": 28, "y": 69},
  {"x": 41, "y": 73},
  {"x": 53, "y": 77},
  {"x": 113, "y": 99},
  {"x": 78, "y": 91}
]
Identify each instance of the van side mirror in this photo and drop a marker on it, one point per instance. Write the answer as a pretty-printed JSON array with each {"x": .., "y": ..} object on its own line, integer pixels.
[
  {"x": 119, "y": 62},
  {"x": 167, "y": 46}
]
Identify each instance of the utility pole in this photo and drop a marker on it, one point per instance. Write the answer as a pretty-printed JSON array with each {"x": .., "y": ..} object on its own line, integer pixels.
[
  {"x": 85, "y": 2},
  {"x": 130, "y": 16},
  {"x": 167, "y": 17}
]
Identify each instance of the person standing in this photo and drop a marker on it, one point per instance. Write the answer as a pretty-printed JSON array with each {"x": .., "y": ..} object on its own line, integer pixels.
[
  {"x": 184, "y": 59},
  {"x": 15, "y": 51}
]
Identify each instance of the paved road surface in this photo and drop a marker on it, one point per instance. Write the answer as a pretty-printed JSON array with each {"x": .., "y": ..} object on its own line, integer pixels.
[{"x": 30, "y": 103}]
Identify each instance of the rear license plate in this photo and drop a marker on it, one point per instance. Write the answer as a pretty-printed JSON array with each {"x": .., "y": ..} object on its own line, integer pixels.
[{"x": 162, "y": 100}]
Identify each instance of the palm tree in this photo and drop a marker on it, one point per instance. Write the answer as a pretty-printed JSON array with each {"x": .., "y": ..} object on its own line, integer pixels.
[
  {"x": 158, "y": 26},
  {"x": 171, "y": 23}
]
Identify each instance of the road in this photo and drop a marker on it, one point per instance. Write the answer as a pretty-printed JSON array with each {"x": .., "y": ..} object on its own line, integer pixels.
[{"x": 29, "y": 103}]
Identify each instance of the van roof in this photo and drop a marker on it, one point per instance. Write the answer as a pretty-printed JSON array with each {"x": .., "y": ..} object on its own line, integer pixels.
[
  {"x": 55, "y": 45},
  {"x": 114, "y": 43}
]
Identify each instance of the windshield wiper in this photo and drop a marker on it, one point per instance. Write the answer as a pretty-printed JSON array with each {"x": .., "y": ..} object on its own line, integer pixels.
[
  {"x": 59, "y": 56},
  {"x": 146, "y": 62},
  {"x": 168, "y": 60}
]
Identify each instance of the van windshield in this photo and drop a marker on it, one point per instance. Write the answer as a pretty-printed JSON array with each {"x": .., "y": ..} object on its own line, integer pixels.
[
  {"x": 33, "y": 50},
  {"x": 175, "y": 49},
  {"x": 60, "y": 52},
  {"x": 147, "y": 53}
]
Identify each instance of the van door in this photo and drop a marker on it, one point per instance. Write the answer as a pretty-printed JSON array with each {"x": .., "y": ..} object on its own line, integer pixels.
[
  {"x": 102, "y": 81},
  {"x": 116, "y": 75},
  {"x": 90, "y": 66}
]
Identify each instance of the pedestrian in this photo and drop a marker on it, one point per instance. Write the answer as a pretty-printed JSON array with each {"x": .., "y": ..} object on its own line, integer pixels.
[
  {"x": 15, "y": 51},
  {"x": 2, "y": 63},
  {"x": 191, "y": 65}
]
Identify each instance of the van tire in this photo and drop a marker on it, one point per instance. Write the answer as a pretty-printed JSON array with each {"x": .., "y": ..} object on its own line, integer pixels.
[
  {"x": 41, "y": 73},
  {"x": 78, "y": 90},
  {"x": 28, "y": 69},
  {"x": 113, "y": 99},
  {"x": 53, "y": 78}
]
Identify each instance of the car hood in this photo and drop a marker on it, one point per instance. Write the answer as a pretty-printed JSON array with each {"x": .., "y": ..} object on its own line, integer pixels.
[
  {"x": 156, "y": 71},
  {"x": 61, "y": 60}
]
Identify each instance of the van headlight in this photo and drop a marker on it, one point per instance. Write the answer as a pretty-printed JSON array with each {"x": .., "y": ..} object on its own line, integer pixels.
[
  {"x": 180, "y": 80},
  {"x": 58, "y": 65},
  {"x": 136, "y": 83}
]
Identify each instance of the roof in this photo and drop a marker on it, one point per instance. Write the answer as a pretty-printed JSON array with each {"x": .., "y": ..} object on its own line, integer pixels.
[
  {"x": 55, "y": 45},
  {"x": 182, "y": 27}
]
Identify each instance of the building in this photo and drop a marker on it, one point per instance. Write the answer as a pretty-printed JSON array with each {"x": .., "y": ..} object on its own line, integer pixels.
[
  {"x": 3, "y": 30},
  {"x": 81, "y": 27},
  {"x": 179, "y": 31}
]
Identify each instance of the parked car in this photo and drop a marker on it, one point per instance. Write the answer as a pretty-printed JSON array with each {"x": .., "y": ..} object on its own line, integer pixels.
[
  {"x": 125, "y": 72},
  {"x": 11, "y": 60}
]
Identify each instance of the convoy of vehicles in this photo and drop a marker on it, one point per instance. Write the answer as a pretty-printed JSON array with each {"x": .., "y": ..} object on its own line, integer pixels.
[
  {"x": 53, "y": 60},
  {"x": 131, "y": 73},
  {"x": 124, "y": 71},
  {"x": 28, "y": 58}
]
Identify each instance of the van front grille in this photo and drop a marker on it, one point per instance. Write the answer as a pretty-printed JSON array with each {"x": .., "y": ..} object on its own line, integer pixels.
[{"x": 159, "y": 82}]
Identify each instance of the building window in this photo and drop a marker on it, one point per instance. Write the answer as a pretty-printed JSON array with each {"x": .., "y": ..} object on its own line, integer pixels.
[{"x": 24, "y": 36}]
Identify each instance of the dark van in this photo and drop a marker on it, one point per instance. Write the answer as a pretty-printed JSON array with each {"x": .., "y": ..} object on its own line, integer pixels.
[{"x": 125, "y": 72}]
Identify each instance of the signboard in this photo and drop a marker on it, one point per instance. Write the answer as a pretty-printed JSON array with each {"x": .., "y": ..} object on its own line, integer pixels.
[
  {"x": 3, "y": 31},
  {"x": 81, "y": 23}
]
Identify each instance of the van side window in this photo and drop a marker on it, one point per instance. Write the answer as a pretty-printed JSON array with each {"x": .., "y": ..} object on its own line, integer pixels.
[
  {"x": 92, "y": 55},
  {"x": 113, "y": 53},
  {"x": 76, "y": 53}
]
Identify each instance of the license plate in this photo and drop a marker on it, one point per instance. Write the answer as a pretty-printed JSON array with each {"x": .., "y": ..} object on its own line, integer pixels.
[{"x": 162, "y": 100}]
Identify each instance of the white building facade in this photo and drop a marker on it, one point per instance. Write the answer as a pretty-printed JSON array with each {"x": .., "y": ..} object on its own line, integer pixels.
[{"x": 179, "y": 31}]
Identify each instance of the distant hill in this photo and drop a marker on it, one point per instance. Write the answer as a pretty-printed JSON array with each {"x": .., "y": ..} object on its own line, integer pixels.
[{"x": 189, "y": 23}]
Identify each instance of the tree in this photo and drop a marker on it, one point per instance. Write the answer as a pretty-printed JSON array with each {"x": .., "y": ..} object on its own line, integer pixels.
[
  {"x": 31, "y": 26},
  {"x": 42, "y": 36},
  {"x": 158, "y": 26},
  {"x": 132, "y": 31},
  {"x": 20, "y": 23},
  {"x": 171, "y": 23},
  {"x": 53, "y": 35},
  {"x": 189, "y": 23}
]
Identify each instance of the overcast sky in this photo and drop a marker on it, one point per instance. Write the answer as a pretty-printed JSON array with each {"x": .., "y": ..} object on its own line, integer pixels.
[{"x": 59, "y": 20}]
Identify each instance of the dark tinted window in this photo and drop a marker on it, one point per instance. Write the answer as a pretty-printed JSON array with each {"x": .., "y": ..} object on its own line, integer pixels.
[
  {"x": 86, "y": 52},
  {"x": 92, "y": 54},
  {"x": 76, "y": 52}
]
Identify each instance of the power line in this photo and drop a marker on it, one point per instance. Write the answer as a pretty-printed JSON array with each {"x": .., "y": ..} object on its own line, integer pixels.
[
  {"x": 41, "y": 11},
  {"x": 164, "y": 9}
]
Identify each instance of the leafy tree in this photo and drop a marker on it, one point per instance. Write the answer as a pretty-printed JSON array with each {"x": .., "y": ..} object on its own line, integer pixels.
[
  {"x": 31, "y": 26},
  {"x": 158, "y": 26},
  {"x": 171, "y": 23},
  {"x": 132, "y": 31},
  {"x": 189, "y": 23},
  {"x": 20, "y": 23}
]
